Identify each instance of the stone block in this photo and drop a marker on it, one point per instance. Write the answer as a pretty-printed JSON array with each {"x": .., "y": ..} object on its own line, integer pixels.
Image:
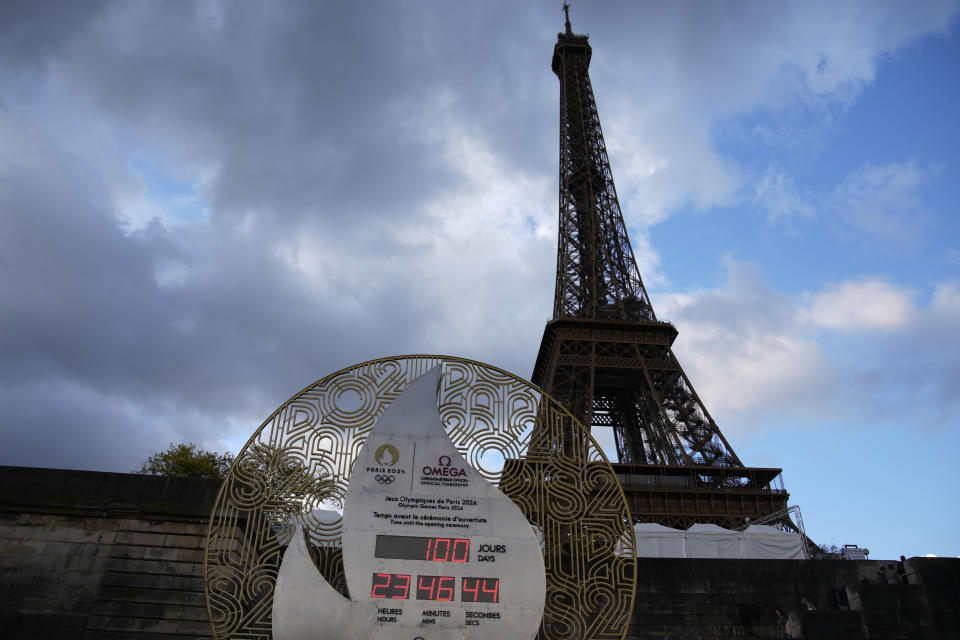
[
  {"x": 39, "y": 564},
  {"x": 86, "y": 557},
  {"x": 176, "y": 528},
  {"x": 138, "y": 581},
  {"x": 185, "y": 541},
  {"x": 163, "y": 554},
  {"x": 40, "y": 519},
  {"x": 43, "y": 626},
  {"x": 131, "y": 626},
  {"x": 25, "y": 547},
  {"x": 143, "y": 539},
  {"x": 195, "y": 629},
  {"x": 191, "y": 555},
  {"x": 157, "y": 596},
  {"x": 130, "y": 551},
  {"x": 146, "y": 611},
  {"x": 101, "y": 524},
  {"x": 92, "y": 634},
  {"x": 33, "y": 604},
  {"x": 147, "y": 567},
  {"x": 943, "y": 602},
  {"x": 55, "y": 533},
  {"x": 131, "y": 524},
  {"x": 21, "y": 532}
]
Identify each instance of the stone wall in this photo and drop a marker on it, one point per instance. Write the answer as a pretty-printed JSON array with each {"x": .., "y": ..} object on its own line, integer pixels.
[
  {"x": 706, "y": 599},
  {"x": 102, "y": 555},
  {"x": 106, "y": 555}
]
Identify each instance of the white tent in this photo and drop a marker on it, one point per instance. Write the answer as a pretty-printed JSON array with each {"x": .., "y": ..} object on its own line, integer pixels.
[
  {"x": 712, "y": 541},
  {"x": 764, "y": 541},
  {"x": 657, "y": 541},
  {"x": 760, "y": 542}
]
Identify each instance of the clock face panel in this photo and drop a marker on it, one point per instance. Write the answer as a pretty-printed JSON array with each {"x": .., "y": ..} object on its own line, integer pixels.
[{"x": 504, "y": 430}]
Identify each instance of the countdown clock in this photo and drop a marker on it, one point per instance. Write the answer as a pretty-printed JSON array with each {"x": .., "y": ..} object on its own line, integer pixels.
[
  {"x": 422, "y": 543},
  {"x": 430, "y": 548}
]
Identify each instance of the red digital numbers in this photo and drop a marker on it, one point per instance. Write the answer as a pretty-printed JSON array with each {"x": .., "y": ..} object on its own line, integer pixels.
[
  {"x": 390, "y": 585},
  {"x": 448, "y": 549},
  {"x": 480, "y": 590},
  {"x": 436, "y": 588},
  {"x": 422, "y": 548}
]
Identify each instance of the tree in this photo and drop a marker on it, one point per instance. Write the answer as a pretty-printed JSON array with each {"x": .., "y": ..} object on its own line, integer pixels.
[
  {"x": 283, "y": 484},
  {"x": 188, "y": 461}
]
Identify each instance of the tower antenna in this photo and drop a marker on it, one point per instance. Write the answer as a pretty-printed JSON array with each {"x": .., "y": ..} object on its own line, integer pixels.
[{"x": 566, "y": 13}]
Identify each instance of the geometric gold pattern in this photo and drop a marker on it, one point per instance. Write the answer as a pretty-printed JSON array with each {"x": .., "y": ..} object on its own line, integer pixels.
[{"x": 509, "y": 430}]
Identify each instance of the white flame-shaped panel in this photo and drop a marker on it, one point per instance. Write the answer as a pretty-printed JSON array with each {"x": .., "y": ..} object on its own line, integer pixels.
[
  {"x": 431, "y": 550},
  {"x": 436, "y": 550}
]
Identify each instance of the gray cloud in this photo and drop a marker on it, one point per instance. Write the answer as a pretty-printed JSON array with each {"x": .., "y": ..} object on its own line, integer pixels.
[
  {"x": 35, "y": 33},
  {"x": 379, "y": 179}
]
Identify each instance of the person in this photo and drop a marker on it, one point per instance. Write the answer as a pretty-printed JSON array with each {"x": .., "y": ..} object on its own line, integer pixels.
[
  {"x": 808, "y": 605},
  {"x": 782, "y": 623},
  {"x": 882, "y": 575},
  {"x": 788, "y": 627},
  {"x": 892, "y": 577},
  {"x": 842, "y": 599}
]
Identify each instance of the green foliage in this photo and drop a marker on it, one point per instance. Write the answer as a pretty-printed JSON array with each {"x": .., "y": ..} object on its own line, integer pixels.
[
  {"x": 188, "y": 461},
  {"x": 831, "y": 551}
]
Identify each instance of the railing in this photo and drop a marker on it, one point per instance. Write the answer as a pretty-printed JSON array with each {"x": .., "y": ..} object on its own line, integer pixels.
[
  {"x": 692, "y": 477},
  {"x": 789, "y": 519}
]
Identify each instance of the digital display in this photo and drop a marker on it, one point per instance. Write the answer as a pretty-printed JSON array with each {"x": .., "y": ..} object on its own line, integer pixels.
[
  {"x": 480, "y": 590},
  {"x": 439, "y": 588},
  {"x": 390, "y": 585},
  {"x": 421, "y": 548}
]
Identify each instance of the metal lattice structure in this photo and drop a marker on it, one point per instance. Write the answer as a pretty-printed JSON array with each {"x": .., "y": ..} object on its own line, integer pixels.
[
  {"x": 301, "y": 457},
  {"x": 604, "y": 354},
  {"x": 597, "y": 275}
]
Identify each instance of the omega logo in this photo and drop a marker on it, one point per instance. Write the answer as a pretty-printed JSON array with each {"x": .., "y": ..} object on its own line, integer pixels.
[{"x": 443, "y": 468}]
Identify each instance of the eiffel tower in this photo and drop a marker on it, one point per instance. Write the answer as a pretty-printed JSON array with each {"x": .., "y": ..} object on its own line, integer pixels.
[{"x": 607, "y": 357}]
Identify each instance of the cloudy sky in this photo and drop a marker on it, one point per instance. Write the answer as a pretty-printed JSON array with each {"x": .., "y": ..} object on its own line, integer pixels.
[{"x": 205, "y": 206}]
